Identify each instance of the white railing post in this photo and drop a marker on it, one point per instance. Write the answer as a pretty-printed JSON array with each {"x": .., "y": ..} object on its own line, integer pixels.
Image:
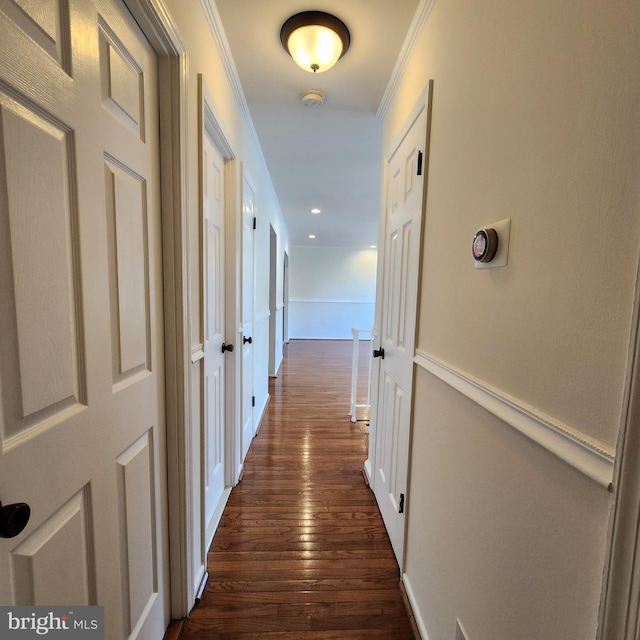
[{"x": 354, "y": 374}]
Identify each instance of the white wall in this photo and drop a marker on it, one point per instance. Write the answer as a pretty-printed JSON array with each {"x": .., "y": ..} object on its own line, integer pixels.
[
  {"x": 332, "y": 290},
  {"x": 535, "y": 118}
]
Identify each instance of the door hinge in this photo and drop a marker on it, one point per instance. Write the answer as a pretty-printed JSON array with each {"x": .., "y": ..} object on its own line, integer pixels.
[
  {"x": 253, "y": 401},
  {"x": 401, "y": 505},
  {"x": 419, "y": 163},
  {"x": 255, "y": 223}
]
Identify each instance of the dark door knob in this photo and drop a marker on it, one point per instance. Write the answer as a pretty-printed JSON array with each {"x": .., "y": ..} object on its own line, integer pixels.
[
  {"x": 249, "y": 340},
  {"x": 13, "y": 519},
  {"x": 378, "y": 353},
  {"x": 227, "y": 347}
]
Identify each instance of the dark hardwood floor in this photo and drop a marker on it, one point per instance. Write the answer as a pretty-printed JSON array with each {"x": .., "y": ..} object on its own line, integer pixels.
[{"x": 301, "y": 550}]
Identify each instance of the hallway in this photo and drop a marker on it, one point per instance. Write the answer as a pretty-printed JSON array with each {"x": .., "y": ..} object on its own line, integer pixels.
[{"x": 301, "y": 551}]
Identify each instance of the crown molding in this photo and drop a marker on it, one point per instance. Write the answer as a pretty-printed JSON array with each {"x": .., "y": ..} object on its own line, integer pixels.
[
  {"x": 217, "y": 30},
  {"x": 417, "y": 25}
]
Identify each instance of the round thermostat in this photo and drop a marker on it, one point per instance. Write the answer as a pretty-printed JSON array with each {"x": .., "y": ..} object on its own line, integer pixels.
[{"x": 485, "y": 245}]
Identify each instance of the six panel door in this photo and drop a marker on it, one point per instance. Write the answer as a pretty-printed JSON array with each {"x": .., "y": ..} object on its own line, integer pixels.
[
  {"x": 82, "y": 426},
  {"x": 213, "y": 437},
  {"x": 397, "y": 331},
  {"x": 248, "y": 214}
]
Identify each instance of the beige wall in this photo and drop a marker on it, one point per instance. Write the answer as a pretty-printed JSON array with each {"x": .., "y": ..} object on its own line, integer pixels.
[
  {"x": 501, "y": 534},
  {"x": 535, "y": 118}
]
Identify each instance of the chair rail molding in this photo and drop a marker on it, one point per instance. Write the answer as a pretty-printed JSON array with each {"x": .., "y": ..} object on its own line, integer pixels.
[
  {"x": 261, "y": 316},
  {"x": 327, "y": 301},
  {"x": 591, "y": 458}
]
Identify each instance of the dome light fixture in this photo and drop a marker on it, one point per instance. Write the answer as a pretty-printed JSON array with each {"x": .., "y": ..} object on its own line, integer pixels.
[{"x": 315, "y": 40}]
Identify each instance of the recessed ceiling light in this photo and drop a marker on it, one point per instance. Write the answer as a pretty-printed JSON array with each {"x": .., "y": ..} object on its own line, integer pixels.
[
  {"x": 311, "y": 236},
  {"x": 315, "y": 210},
  {"x": 373, "y": 246}
]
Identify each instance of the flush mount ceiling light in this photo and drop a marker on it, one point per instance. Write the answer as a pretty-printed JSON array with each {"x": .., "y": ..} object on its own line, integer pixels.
[{"x": 315, "y": 40}]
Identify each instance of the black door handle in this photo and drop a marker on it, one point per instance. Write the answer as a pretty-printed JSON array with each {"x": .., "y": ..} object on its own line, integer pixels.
[
  {"x": 13, "y": 519},
  {"x": 227, "y": 347},
  {"x": 249, "y": 340},
  {"x": 378, "y": 353}
]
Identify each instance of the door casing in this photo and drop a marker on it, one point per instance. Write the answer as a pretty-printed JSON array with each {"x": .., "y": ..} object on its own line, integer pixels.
[{"x": 164, "y": 36}]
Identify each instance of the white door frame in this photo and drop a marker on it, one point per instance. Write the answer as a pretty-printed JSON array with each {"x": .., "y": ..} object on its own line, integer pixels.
[
  {"x": 233, "y": 249},
  {"x": 620, "y": 599},
  {"x": 285, "y": 300},
  {"x": 209, "y": 125},
  {"x": 159, "y": 28},
  {"x": 273, "y": 301},
  {"x": 245, "y": 185}
]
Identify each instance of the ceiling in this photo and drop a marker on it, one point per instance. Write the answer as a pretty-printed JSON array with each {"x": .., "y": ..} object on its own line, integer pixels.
[{"x": 326, "y": 157}]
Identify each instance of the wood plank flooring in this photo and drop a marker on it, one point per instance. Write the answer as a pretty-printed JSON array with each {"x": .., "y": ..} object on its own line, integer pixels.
[{"x": 301, "y": 551}]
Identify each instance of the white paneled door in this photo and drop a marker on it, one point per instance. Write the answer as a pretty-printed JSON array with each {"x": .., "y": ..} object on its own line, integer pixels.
[
  {"x": 213, "y": 437},
  {"x": 395, "y": 350},
  {"x": 248, "y": 218},
  {"x": 82, "y": 425}
]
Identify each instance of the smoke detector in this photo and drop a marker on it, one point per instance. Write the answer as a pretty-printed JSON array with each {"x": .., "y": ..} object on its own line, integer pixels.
[{"x": 312, "y": 98}]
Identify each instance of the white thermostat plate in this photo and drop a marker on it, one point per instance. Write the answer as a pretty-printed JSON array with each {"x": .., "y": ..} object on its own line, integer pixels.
[{"x": 503, "y": 229}]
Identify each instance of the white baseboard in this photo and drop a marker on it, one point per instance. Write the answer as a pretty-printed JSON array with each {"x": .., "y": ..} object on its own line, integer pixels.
[
  {"x": 414, "y": 607},
  {"x": 262, "y": 412},
  {"x": 217, "y": 516},
  {"x": 369, "y": 471}
]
